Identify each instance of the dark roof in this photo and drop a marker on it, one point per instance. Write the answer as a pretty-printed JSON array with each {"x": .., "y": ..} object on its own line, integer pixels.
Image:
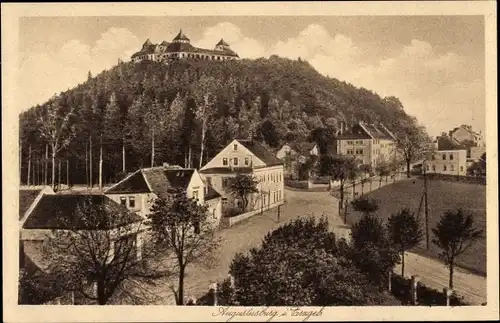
[
  {"x": 302, "y": 147},
  {"x": 445, "y": 143},
  {"x": 135, "y": 183},
  {"x": 211, "y": 193},
  {"x": 160, "y": 179},
  {"x": 62, "y": 212},
  {"x": 180, "y": 47},
  {"x": 366, "y": 131},
  {"x": 26, "y": 199},
  {"x": 164, "y": 43},
  {"x": 261, "y": 152},
  {"x": 222, "y": 42},
  {"x": 227, "y": 170},
  {"x": 181, "y": 36}
]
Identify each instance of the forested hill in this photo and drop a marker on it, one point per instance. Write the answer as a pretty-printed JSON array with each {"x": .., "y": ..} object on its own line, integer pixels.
[{"x": 276, "y": 99}]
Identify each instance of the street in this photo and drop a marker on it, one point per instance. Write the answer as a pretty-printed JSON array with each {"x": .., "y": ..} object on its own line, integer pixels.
[{"x": 247, "y": 234}]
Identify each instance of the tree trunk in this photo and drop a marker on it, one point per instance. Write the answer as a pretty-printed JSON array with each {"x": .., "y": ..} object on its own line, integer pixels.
[
  {"x": 371, "y": 184},
  {"x": 100, "y": 164},
  {"x": 67, "y": 173},
  {"x": 153, "y": 148},
  {"x": 86, "y": 165},
  {"x": 408, "y": 169},
  {"x": 202, "y": 145},
  {"x": 403, "y": 263},
  {"x": 380, "y": 181},
  {"x": 362, "y": 187},
  {"x": 46, "y": 164},
  {"x": 341, "y": 194},
  {"x": 59, "y": 176},
  {"x": 189, "y": 157},
  {"x": 450, "y": 285},
  {"x": 123, "y": 155},
  {"x": 353, "y": 189},
  {"x": 386, "y": 176},
  {"x": 180, "y": 293},
  {"x": 90, "y": 163},
  {"x": 185, "y": 158},
  {"x": 101, "y": 294},
  {"x": 53, "y": 168},
  {"x": 29, "y": 166}
]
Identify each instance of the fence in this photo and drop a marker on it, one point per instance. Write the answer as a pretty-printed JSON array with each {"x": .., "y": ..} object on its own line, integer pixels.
[
  {"x": 229, "y": 221},
  {"x": 457, "y": 178}
]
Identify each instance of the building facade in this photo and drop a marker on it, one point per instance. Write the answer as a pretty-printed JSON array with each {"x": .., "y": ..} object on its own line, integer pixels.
[
  {"x": 369, "y": 144},
  {"x": 295, "y": 155},
  {"x": 447, "y": 158},
  {"x": 250, "y": 158},
  {"x": 139, "y": 190},
  {"x": 465, "y": 133},
  {"x": 181, "y": 48}
]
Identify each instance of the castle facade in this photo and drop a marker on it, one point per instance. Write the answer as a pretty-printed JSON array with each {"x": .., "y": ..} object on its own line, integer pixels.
[{"x": 181, "y": 48}]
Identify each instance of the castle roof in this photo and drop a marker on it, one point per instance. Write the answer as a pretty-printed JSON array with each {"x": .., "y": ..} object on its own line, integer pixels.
[
  {"x": 147, "y": 43},
  {"x": 181, "y": 36},
  {"x": 222, "y": 42}
]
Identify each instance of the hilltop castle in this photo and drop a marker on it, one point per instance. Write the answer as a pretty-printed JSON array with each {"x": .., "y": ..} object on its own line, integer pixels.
[{"x": 181, "y": 48}]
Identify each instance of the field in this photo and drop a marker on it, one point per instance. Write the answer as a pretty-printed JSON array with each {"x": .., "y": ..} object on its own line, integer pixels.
[{"x": 442, "y": 196}]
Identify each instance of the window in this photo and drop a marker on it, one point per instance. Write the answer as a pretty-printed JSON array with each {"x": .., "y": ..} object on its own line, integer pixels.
[
  {"x": 433, "y": 157},
  {"x": 224, "y": 201},
  {"x": 359, "y": 151},
  {"x": 131, "y": 201},
  {"x": 444, "y": 156},
  {"x": 349, "y": 151},
  {"x": 247, "y": 161},
  {"x": 360, "y": 142},
  {"x": 444, "y": 167},
  {"x": 235, "y": 147},
  {"x": 433, "y": 168},
  {"x": 452, "y": 168},
  {"x": 224, "y": 161},
  {"x": 195, "y": 194},
  {"x": 349, "y": 142},
  {"x": 426, "y": 167},
  {"x": 451, "y": 156},
  {"x": 235, "y": 161},
  {"x": 461, "y": 169},
  {"x": 123, "y": 200}
]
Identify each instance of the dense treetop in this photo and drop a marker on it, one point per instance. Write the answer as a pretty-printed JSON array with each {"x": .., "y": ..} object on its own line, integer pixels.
[{"x": 275, "y": 99}]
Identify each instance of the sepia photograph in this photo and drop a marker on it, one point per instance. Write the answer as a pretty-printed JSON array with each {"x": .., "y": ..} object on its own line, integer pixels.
[{"x": 250, "y": 161}]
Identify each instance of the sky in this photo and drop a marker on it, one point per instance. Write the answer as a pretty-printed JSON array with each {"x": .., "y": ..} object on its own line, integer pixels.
[{"x": 434, "y": 64}]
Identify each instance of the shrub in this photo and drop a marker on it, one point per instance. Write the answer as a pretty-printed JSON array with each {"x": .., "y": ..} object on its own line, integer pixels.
[{"x": 232, "y": 211}]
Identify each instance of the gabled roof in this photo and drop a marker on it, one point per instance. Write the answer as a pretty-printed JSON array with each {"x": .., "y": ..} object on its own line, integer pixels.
[
  {"x": 363, "y": 130},
  {"x": 181, "y": 36},
  {"x": 165, "y": 43},
  {"x": 26, "y": 199},
  {"x": 211, "y": 193},
  {"x": 445, "y": 143},
  {"x": 158, "y": 180},
  {"x": 260, "y": 152},
  {"x": 62, "y": 212},
  {"x": 466, "y": 129},
  {"x": 222, "y": 42}
]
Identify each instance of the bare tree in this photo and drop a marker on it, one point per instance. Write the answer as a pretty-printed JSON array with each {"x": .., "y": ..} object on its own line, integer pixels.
[
  {"x": 56, "y": 128},
  {"x": 412, "y": 143},
  {"x": 180, "y": 225},
  {"x": 101, "y": 254},
  {"x": 205, "y": 104}
]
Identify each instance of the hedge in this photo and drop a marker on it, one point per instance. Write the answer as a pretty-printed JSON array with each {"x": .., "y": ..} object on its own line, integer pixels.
[
  {"x": 457, "y": 178},
  {"x": 296, "y": 184}
]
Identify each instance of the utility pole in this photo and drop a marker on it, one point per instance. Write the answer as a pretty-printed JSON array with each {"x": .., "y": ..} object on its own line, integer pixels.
[{"x": 427, "y": 245}]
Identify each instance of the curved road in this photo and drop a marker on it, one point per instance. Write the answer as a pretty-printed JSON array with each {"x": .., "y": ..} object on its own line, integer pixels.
[{"x": 249, "y": 233}]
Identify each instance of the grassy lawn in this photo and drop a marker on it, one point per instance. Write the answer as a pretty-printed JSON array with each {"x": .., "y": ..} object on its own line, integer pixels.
[{"x": 442, "y": 196}]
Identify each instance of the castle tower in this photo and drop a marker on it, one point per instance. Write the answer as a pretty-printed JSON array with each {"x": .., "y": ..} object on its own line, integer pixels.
[
  {"x": 222, "y": 45},
  {"x": 146, "y": 43},
  {"x": 181, "y": 38}
]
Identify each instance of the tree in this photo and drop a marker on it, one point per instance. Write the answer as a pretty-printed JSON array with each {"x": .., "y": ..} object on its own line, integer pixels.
[
  {"x": 370, "y": 249},
  {"x": 365, "y": 205},
  {"x": 324, "y": 137},
  {"x": 56, "y": 128},
  {"x": 180, "y": 225},
  {"x": 268, "y": 276},
  {"x": 478, "y": 168},
  {"x": 404, "y": 232},
  {"x": 205, "y": 98},
  {"x": 365, "y": 169},
  {"x": 411, "y": 142},
  {"x": 338, "y": 168},
  {"x": 98, "y": 256},
  {"x": 241, "y": 186},
  {"x": 454, "y": 234},
  {"x": 383, "y": 170}
]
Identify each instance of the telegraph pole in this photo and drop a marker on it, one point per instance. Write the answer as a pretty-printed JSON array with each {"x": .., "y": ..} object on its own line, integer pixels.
[{"x": 427, "y": 245}]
